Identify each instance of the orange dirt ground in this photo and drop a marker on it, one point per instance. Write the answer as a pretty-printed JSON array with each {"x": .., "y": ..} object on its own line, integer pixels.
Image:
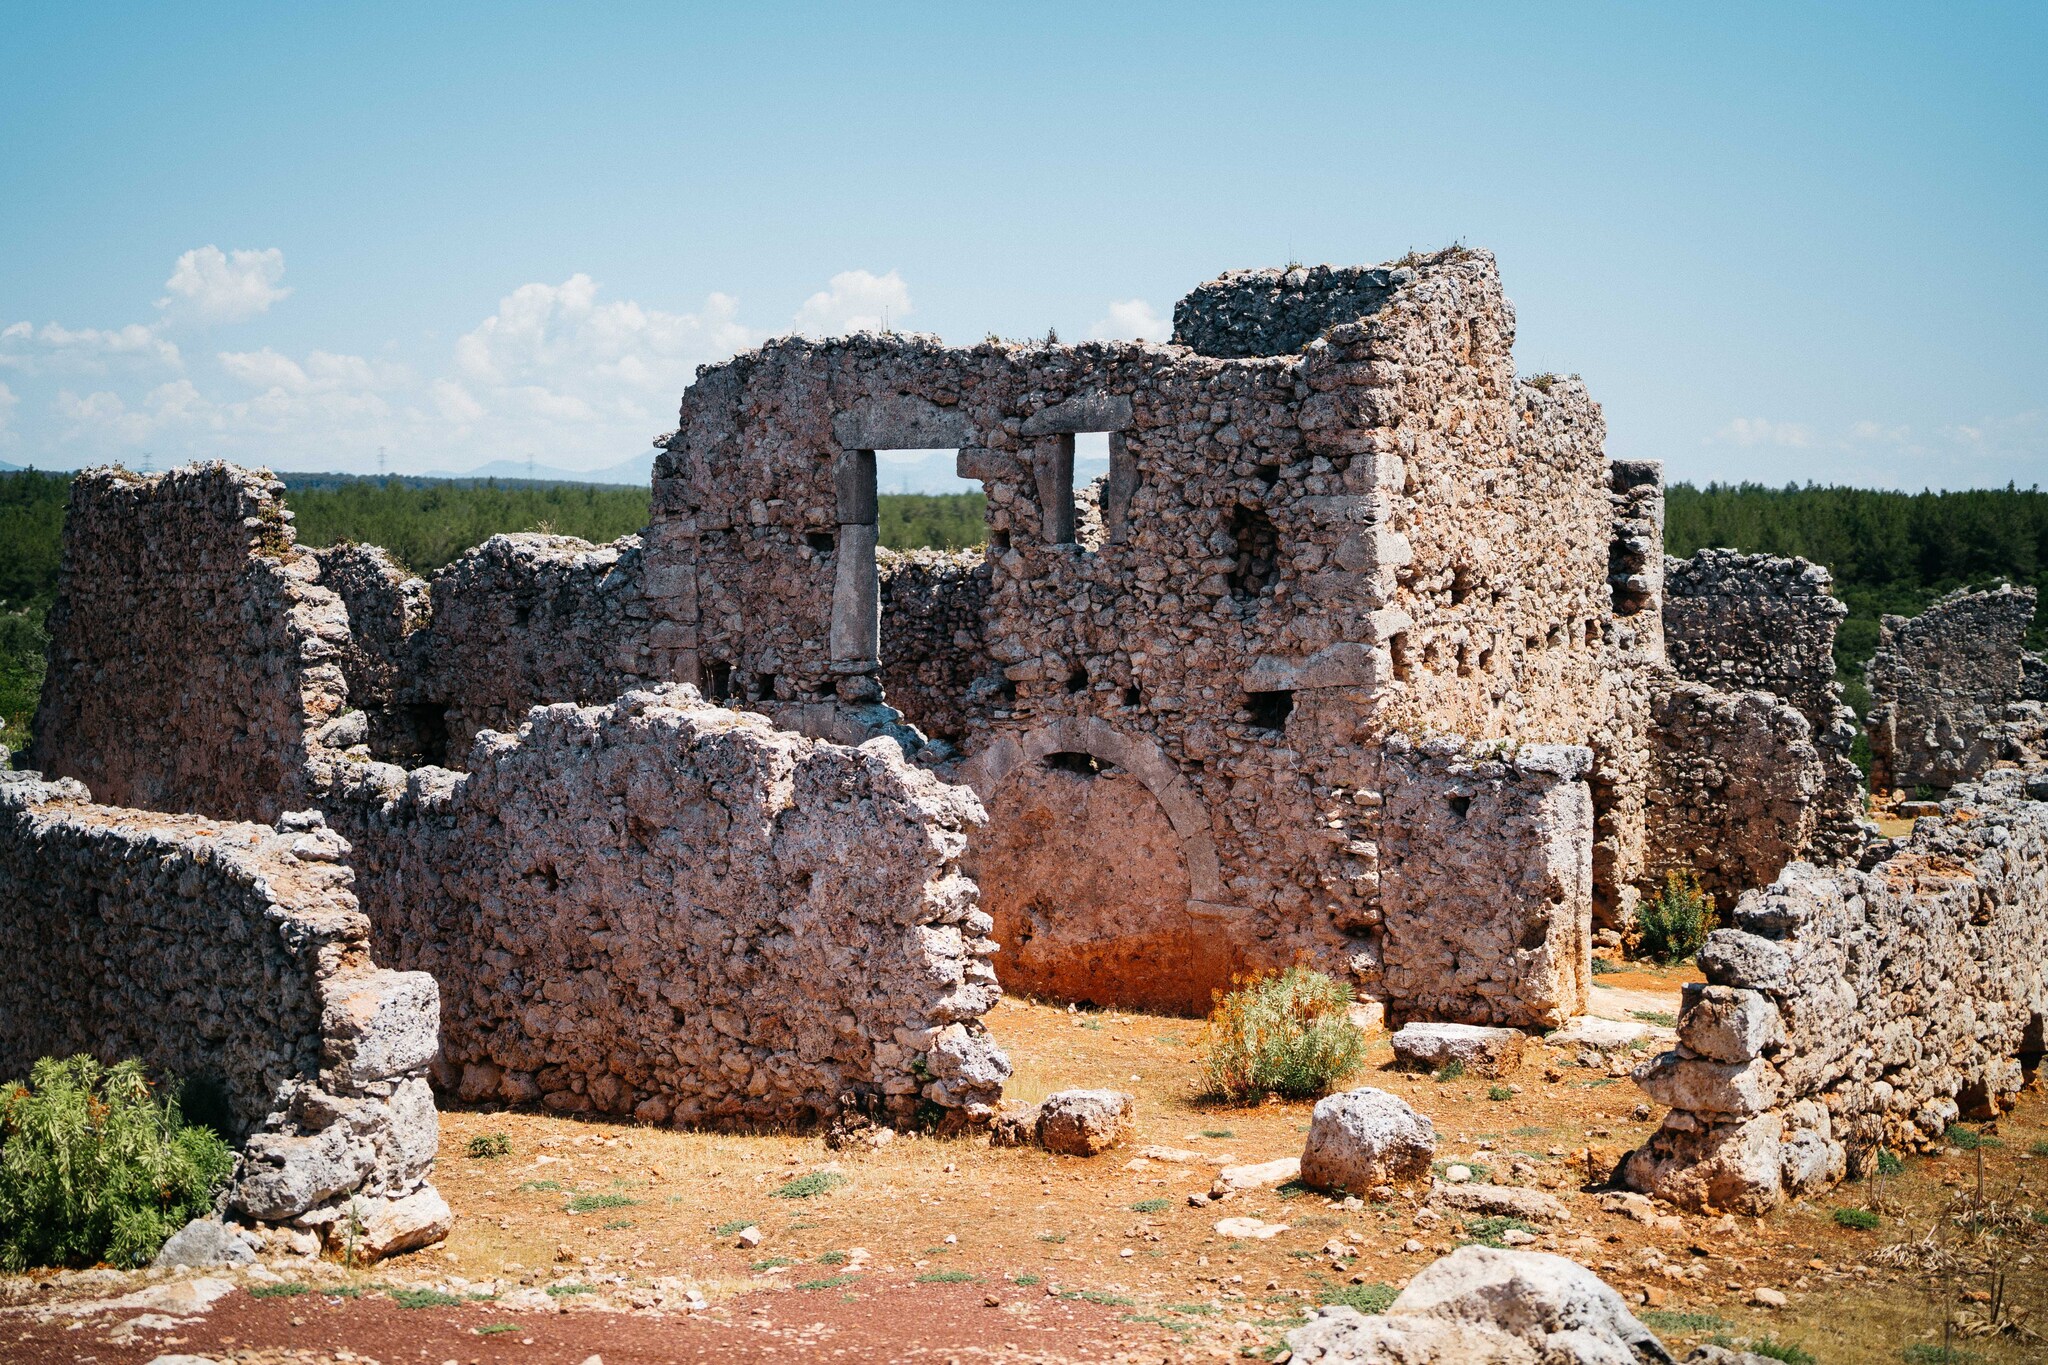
[{"x": 972, "y": 1253}]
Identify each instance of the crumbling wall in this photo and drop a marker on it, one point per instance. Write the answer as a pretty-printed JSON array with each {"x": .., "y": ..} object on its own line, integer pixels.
[
  {"x": 193, "y": 653},
  {"x": 1764, "y": 623},
  {"x": 1486, "y": 886},
  {"x": 1737, "y": 786},
  {"x": 1622, "y": 772},
  {"x": 1940, "y": 683},
  {"x": 1850, "y": 1010},
  {"x": 675, "y": 911},
  {"x": 933, "y": 653},
  {"x": 522, "y": 620},
  {"x": 232, "y": 956},
  {"x": 1277, "y": 312},
  {"x": 385, "y": 605}
]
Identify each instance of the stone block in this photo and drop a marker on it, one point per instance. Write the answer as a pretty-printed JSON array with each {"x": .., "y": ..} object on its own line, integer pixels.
[
  {"x": 1361, "y": 1139},
  {"x": 1479, "y": 1049},
  {"x": 1084, "y": 1122},
  {"x": 1728, "y": 1024}
]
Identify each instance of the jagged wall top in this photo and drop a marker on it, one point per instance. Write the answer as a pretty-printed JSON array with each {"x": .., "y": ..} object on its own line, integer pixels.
[{"x": 1279, "y": 311}]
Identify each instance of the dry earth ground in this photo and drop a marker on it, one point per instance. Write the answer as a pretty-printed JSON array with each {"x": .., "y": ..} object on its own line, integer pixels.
[{"x": 947, "y": 1249}]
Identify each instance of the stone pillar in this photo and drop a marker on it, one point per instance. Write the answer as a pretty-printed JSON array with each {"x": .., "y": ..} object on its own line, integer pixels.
[{"x": 856, "y": 643}]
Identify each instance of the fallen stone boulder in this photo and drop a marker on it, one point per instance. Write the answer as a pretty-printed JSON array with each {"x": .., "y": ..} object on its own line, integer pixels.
[
  {"x": 1480, "y": 1050},
  {"x": 386, "y": 1227},
  {"x": 204, "y": 1242},
  {"x": 1493, "y": 1307},
  {"x": 1083, "y": 1122},
  {"x": 1499, "y": 1201},
  {"x": 1361, "y": 1139},
  {"x": 1257, "y": 1176},
  {"x": 1014, "y": 1128}
]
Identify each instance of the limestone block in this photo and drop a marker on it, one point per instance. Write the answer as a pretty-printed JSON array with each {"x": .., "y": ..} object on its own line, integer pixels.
[
  {"x": 1728, "y": 1024},
  {"x": 1084, "y": 1122},
  {"x": 204, "y": 1242},
  {"x": 1505, "y": 1201},
  {"x": 390, "y": 1226},
  {"x": 1709, "y": 1087},
  {"x": 1733, "y": 1167},
  {"x": 1361, "y": 1139},
  {"x": 380, "y": 1024},
  {"x": 283, "y": 1175},
  {"x": 1481, "y": 1050}
]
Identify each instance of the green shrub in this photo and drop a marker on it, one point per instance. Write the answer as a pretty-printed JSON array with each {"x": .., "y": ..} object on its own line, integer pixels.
[
  {"x": 591, "y": 1203},
  {"x": 947, "y": 1277},
  {"x": 1923, "y": 1354},
  {"x": 1672, "y": 925},
  {"x": 2038, "y": 1147},
  {"x": 829, "y": 1282},
  {"x": 1862, "y": 1220},
  {"x": 1606, "y": 966},
  {"x": 563, "y": 1291},
  {"x": 1453, "y": 1070},
  {"x": 1499, "y": 1092},
  {"x": 1791, "y": 1352},
  {"x": 1284, "y": 1034},
  {"x": 487, "y": 1145},
  {"x": 290, "y": 1289},
  {"x": 95, "y": 1166},
  {"x": 422, "y": 1298},
  {"x": 1969, "y": 1139},
  {"x": 1887, "y": 1164},
  {"x": 1366, "y": 1298},
  {"x": 1152, "y": 1206},
  {"x": 1666, "y": 1320},
  {"x": 810, "y": 1186},
  {"x": 1488, "y": 1230}
]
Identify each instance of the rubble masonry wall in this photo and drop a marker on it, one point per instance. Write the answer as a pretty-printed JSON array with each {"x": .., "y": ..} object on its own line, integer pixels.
[
  {"x": 1486, "y": 880},
  {"x": 1850, "y": 1010},
  {"x": 229, "y": 955},
  {"x": 1622, "y": 770},
  {"x": 192, "y": 652},
  {"x": 1940, "y": 683},
  {"x": 670, "y": 910}
]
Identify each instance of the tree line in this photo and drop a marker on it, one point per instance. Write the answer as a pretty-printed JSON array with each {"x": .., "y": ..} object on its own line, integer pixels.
[{"x": 1889, "y": 552}]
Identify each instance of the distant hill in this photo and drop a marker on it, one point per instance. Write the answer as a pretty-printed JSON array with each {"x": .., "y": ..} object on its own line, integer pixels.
[{"x": 638, "y": 471}]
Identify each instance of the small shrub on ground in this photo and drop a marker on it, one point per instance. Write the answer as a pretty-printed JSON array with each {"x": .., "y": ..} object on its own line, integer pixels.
[
  {"x": 1672, "y": 925},
  {"x": 1026, "y": 1280},
  {"x": 1862, "y": 1220},
  {"x": 2038, "y": 1148},
  {"x": 1924, "y": 1354},
  {"x": 1218, "y": 1133},
  {"x": 833, "y": 1258},
  {"x": 1791, "y": 1352},
  {"x": 1887, "y": 1164},
  {"x": 810, "y": 1186},
  {"x": 591, "y": 1203},
  {"x": 1661, "y": 1018},
  {"x": 1366, "y": 1298},
  {"x": 946, "y": 1277},
  {"x": 290, "y": 1289},
  {"x": 1665, "y": 1320},
  {"x": 1606, "y": 966},
  {"x": 1499, "y": 1092},
  {"x": 1487, "y": 1231},
  {"x": 487, "y": 1145},
  {"x": 1286, "y": 1034},
  {"x": 1152, "y": 1206},
  {"x": 95, "y": 1166},
  {"x": 422, "y": 1298},
  {"x": 495, "y": 1329},
  {"x": 1453, "y": 1070},
  {"x": 829, "y": 1282},
  {"x": 772, "y": 1263},
  {"x": 562, "y": 1291},
  {"x": 1969, "y": 1139}
]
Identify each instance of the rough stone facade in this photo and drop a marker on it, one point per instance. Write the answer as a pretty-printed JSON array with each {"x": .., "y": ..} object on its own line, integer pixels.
[
  {"x": 1850, "y": 1010},
  {"x": 1487, "y": 883},
  {"x": 1940, "y": 684},
  {"x": 933, "y": 660},
  {"x": 1622, "y": 769},
  {"x": 230, "y": 956},
  {"x": 1750, "y": 623},
  {"x": 192, "y": 651},
  {"x": 675, "y": 911}
]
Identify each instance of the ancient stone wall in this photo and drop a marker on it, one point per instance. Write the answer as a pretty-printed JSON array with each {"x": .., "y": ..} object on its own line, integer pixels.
[
  {"x": 1737, "y": 789},
  {"x": 1850, "y": 1010},
  {"x": 1277, "y": 312},
  {"x": 933, "y": 652},
  {"x": 1741, "y": 623},
  {"x": 1622, "y": 774},
  {"x": 192, "y": 651},
  {"x": 1939, "y": 686},
  {"x": 675, "y": 911},
  {"x": 385, "y": 605},
  {"x": 1486, "y": 882},
  {"x": 230, "y": 956}
]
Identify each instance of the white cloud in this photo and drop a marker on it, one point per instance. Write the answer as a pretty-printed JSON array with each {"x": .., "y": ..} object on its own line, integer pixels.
[
  {"x": 9, "y": 401},
  {"x": 210, "y": 285},
  {"x": 88, "y": 350},
  {"x": 1131, "y": 320},
  {"x": 455, "y": 403},
  {"x": 1750, "y": 432},
  {"x": 854, "y": 301}
]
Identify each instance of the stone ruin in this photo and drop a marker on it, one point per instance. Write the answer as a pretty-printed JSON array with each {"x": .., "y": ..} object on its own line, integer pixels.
[
  {"x": 1360, "y": 655},
  {"x": 1954, "y": 691}
]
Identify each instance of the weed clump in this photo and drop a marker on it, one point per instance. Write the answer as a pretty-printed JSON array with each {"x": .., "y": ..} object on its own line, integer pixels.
[
  {"x": 1369, "y": 1299},
  {"x": 810, "y": 1186},
  {"x": 485, "y": 1146},
  {"x": 1286, "y": 1034},
  {"x": 591, "y": 1203},
  {"x": 1672, "y": 925},
  {"x": 1862, "y": 1220},
  {"x": 95, "y": 1167}
]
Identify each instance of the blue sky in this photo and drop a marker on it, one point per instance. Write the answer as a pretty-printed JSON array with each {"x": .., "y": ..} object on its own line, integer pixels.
[{"x": 1781, "y": 242}]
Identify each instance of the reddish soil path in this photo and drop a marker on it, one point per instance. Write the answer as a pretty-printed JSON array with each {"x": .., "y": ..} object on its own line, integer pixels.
[{"x": 881, "y": 1322}]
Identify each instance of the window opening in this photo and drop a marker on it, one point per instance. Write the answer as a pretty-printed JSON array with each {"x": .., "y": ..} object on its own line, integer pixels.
[
  {"x": 764, "y": 687},
  {"x": 1269, "y": 710},
  {"x": 1084, "y": 765},
  {"x": 922, "y": 471},
  {"x": 1131, "y": 695},
  {"x": 715, "y": 679},
  {"x": 1077, "y": 681},
  {"x": 823, "y": 542}
]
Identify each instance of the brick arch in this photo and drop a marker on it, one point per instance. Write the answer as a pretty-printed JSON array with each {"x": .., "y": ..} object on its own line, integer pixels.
[{"x": 1142, "y": 759}]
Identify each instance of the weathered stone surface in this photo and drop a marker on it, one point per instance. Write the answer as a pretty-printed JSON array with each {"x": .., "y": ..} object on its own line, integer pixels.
[
  {"x": 674, "y": 910},
  {"x": 1480, "y": 1050},
  {"x": 1728, "y": 1024},
  {"x": 1940, "y": 684},
  {"x": 1083, "y": 1122},
  {"x": 204, "y": 1242},
  {"x": 1486, "y": 883},
  {"x": 231, "y": 953},
  {"x": 1257, "y": 1175},
  {"x": 1505, "y": 1201},
  {"x": 391, "y": 1226},
  {"x": 1361, "y": 1139},
  {"x": 1483, "y": 1304},
  {"x": 192, "y": 651},
  {"x": 1876, "y": 1007}
]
